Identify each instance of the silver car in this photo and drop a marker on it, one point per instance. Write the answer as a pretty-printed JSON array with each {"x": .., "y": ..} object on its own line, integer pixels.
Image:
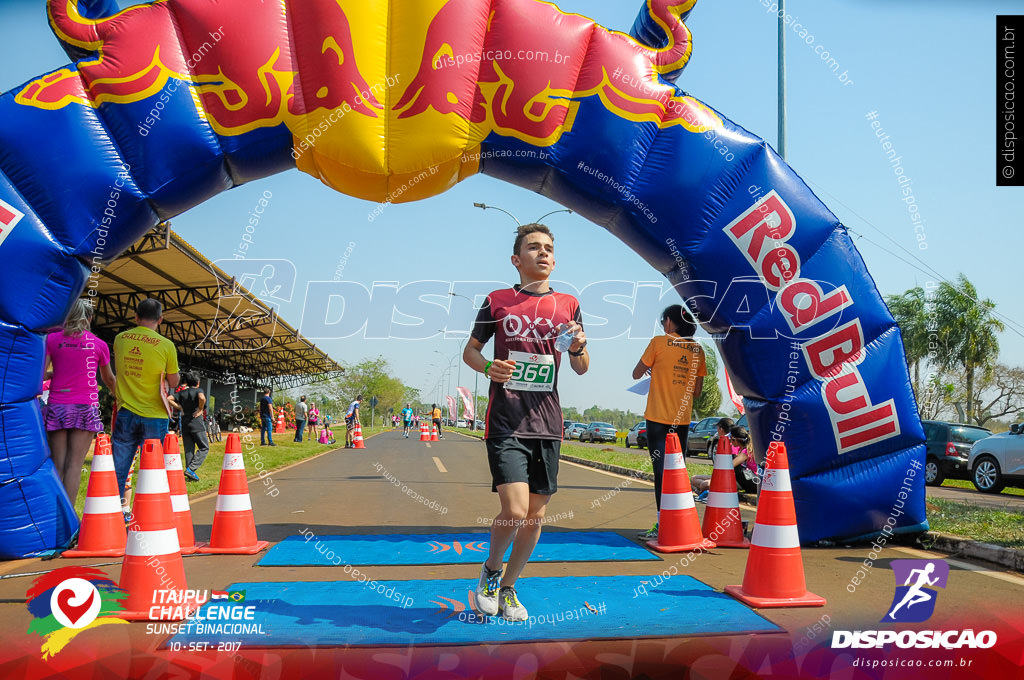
[
  {"x": 574, "y": 431},
  {"x": 998, "y": 460},
  {"x": 599, "y": 432}
]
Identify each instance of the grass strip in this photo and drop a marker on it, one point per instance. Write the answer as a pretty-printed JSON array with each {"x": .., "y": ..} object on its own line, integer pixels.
[{"x": 977, "y": 523}]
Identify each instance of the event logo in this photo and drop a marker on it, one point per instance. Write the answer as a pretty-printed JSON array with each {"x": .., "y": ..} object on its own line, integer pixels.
[
  {"x": 67, "y": 601},
  {"x": 914, "y": 601}
]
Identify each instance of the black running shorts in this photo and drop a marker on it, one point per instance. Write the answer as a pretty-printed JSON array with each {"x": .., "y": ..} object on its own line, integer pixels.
[{"x": 534, "y": 461}]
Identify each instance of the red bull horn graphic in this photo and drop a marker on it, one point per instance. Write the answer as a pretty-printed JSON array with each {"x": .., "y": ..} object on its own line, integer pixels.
[
  {"x": 175, "y": 101},
  {"x": 244, "y": 70}
]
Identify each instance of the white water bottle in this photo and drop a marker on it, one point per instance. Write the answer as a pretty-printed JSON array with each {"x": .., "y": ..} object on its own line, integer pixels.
[{"x": 564, "y": 340}]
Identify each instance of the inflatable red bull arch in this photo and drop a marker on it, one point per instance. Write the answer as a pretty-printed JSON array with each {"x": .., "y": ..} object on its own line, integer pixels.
[{"x": 170, "y": 103}]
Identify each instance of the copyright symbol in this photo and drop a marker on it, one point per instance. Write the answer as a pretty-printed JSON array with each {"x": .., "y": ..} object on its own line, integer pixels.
[{"x": 1007, "y": 171}]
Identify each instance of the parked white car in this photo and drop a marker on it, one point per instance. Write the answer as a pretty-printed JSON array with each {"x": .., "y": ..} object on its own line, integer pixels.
[{"x": 998, "y": 460}]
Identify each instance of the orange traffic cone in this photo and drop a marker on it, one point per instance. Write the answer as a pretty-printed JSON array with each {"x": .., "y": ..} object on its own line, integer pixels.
[
  {"x": 357, "y": 437},
  {"x": 152, "y": 562},
  {"x": 774, "y": 576},
  {"x": 678, "y": 524},
  {"x": 722, "y": 522},
  {"x": 234, "y": 526},
  {"x": 433, "y": 433},
  {"x": 102, "y": 533},
  {"x": 424, "y": 433},
  {"x": 179, "y": 496},
  {"x": 279, "y": 428}
]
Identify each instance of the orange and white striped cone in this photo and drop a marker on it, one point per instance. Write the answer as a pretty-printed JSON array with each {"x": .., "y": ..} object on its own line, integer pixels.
[
  {"x": 774, "y": 576},
  {"x": 433, "y": 433},
  {"x": 103, "y": 533},
  {"x": 722, "y": 521},
  {"x": 357, "y": 437},
  {"x": 179, "y": 496},
  {"x": 279, "y": 428},
  {"x": 152, "y": 562},
  {"x": 424, "y": 433},
  {"x": 678, "y": 523},
  {"x": 234, "y": 525}
]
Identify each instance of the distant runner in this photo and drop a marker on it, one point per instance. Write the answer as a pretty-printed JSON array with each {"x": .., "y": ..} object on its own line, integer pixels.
[
  {"x": 524, "y": 421},
  {"x": 407, "y": 419},
  {"x": 435, "y": 417},
  {"x": 351, "y": 420}
]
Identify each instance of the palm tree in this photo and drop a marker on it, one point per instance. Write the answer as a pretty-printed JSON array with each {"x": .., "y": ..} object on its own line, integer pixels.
[
  {"x": 911, "y": 313},
  {"x": 966, "y": 331}
]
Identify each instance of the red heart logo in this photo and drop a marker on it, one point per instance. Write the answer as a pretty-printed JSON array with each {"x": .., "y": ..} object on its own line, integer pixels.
[{"x": 71, "y": 611}]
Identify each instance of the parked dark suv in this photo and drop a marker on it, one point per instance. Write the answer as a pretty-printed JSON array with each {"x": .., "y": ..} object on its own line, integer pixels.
[
  {"x": 697, "y": 439},
  {"x": 947, "y": 447}
]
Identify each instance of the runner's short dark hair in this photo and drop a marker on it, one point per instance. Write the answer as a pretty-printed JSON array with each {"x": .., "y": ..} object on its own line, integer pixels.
[
  {"x": 726, "y": 424},
  {"x": 526, "y": 229},
  {"x": 681, "y": 319},
  {"x": 149, "y": 309}
]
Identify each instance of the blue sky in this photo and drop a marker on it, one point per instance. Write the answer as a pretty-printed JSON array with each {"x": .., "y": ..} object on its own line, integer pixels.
[{"x": 926, "y": 69}]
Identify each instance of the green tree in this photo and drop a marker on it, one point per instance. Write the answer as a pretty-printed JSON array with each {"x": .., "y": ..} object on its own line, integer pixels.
[
  {"x": 710, "y": 398},
  {"x": 910, "y": 310},
  {"x": 966, "y": 330},
  {"x": 370, "y": 378}
]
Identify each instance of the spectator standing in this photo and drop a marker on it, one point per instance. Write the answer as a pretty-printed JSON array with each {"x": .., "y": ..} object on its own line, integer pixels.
[
  {"x": 267, "y": 418},
  {"x": 192, "y": 403},
  {"x": 676, "y": 364},
  {"x": 146, "y": 364},
  {"x": 71, "y": 416},
  {"x": 301, "y": 414},
  {"x": 313, "y": 421}
]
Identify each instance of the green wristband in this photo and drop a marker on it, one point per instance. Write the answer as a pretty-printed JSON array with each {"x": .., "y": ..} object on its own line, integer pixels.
[{"x": 487, "y": 368}]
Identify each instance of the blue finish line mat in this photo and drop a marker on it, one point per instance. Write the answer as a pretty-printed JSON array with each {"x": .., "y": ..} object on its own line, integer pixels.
[
  {"x": 439, "y": 612},
  {"x": 413, "y": 549}
]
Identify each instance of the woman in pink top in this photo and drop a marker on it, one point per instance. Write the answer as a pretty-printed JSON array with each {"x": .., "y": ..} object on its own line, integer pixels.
[
  {"x": 72, "y": 412},
  {"x": 313, "y": 420}
]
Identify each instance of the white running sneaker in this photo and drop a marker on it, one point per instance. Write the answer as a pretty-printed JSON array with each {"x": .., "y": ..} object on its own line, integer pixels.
[
  {"x": 487, "y": 591},
  {"x": 510, "y": 608}
]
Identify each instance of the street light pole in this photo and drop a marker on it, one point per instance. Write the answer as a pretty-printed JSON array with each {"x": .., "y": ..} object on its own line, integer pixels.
[
  {"x": 484, "y": 206},
  {"x": 782, "y": 79}
]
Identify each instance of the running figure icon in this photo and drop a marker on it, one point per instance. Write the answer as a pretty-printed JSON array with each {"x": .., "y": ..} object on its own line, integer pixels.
[{"x": 916, "y": 594}]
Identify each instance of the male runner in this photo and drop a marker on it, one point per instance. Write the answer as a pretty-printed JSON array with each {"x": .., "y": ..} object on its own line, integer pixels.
[
  {"x": 407, "y": 419},
  {"x": 524, "y": 421},
  {"x": 351, "y": 420}
]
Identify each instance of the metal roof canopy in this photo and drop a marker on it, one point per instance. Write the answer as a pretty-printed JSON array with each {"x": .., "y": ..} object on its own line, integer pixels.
[{"x": 219, "y": 328}]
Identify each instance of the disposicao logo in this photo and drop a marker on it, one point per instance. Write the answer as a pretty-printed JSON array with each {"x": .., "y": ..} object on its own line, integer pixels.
[
  {"x": 913, "y": 602},
  {"x": 69, "y": 600}
]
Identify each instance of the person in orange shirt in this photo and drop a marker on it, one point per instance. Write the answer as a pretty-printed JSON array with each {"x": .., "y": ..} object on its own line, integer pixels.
[{"x": 676, "y": 364}]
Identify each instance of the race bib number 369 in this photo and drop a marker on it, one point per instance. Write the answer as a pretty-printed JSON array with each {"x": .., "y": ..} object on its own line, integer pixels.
[{"x": 533, "y": 372}]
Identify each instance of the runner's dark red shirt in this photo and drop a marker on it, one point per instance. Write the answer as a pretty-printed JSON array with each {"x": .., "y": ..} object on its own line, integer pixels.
[{"x": 524, "y": 327}]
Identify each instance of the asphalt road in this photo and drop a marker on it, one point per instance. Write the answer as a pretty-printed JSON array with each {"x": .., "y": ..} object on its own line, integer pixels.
[{"x": 353, "y": 491}]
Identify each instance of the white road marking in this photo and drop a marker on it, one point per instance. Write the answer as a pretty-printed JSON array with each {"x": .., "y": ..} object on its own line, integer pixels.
[
  {"x": 439, "y": 464},
  {"x": 984, "y": 571},
  {"x": 638, "y": 480}
]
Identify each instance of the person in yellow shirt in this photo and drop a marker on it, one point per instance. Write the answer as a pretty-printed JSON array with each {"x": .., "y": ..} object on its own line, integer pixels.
[
  {"x": 146, "y": 364},
  {"x": 435, "y": 418},
  {"x": 676, "y": 364}
]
